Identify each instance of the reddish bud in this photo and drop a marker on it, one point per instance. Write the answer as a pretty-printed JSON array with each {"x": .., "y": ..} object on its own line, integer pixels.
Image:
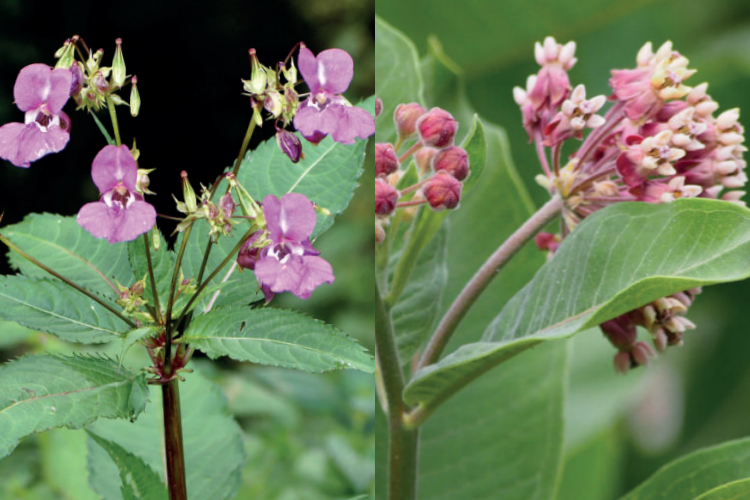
[
  {"x": 547, "y": 241},
  {"x": 437, "y": 128},
  {"x": 642, "y": 352},
  {"x": 378, "y": 106},
  {"x": 289, "y": 144},
  {"x": 621, "y": 332},
  {"x": 248, "y": 254},
  {"x": 423, "y": 157},
  {"x": 386, "y": 197},
  {"x": 227, "y": 204},
  {"x": 454, "y": 160},
  {"x": 386, "y": 161},
  {"x": 622, "y": 362},
  {"x": 405, "y": 117},
  {"x": 442, "y": 191}
]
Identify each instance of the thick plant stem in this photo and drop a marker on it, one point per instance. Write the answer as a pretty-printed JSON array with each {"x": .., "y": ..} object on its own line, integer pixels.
[
  {"x": 173, "y": 440},
  {"x": 402, "y": 442},
  {"x": 483, "y": 278}
]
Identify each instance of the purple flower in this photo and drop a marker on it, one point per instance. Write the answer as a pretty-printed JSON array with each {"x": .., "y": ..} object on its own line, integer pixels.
[
  {"x": 41, "y": 93},
  {"x": 290, "y": 263},
  {"x": 120, "y": 214},
  {"x": 325, "y": 111}
]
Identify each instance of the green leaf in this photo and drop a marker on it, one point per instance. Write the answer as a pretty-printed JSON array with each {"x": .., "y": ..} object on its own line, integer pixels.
[
  {"x": 608, "y": 266},
  {"x": 53, "y": 307},
  {"x": 130, "y": 338},
  {"x": 327, "y": 175},
  {"x": 139, "y": 481},
  {"x": 415, "y": 313},
  {"x": 397, "y": 76},
  {"x": 162, "y": 261},
  {"x": 61, "y": 244},
  {"x": 695, "y": 475},
  {"x": 64, "y": 463},
  {"x": 13, "y": 334},
  {"x": 276, "y": 337},
  {"x": 213, "y": 446},
  {"x": 731, "y": 491},
  {"x": 43, "y": 392},
  {"x": 593, "y": 470}
]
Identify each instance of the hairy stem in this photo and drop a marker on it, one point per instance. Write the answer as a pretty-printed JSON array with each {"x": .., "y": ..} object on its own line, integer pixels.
[
  {"x": 154, "y": 291},
  {"x": 483, "y": 278},
  {"x": 173, "y": 440}
]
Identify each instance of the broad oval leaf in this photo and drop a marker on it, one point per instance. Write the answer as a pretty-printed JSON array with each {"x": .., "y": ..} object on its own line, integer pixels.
[
  {"x": 139, "y": 481},
  {"x": 276, "y": 337},
  {"x": 61, "y": 244},
  {"x": 43, "y": 392},
  {"x": 53, "y": 307},
  {"x": 616, "y": 260},
  {"x": 214, "y": 453},
  {"x": 701, "y": 475}
]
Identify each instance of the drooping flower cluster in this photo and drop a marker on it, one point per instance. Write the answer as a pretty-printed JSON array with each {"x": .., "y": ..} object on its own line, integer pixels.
[
  {"x": 659, "y": 141},
  {"x": 441, "y": 166}
]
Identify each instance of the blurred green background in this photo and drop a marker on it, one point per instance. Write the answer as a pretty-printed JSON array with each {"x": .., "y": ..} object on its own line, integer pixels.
[
  {"x": 307, "y": 436},
  {"x": 690, "y": 397}
]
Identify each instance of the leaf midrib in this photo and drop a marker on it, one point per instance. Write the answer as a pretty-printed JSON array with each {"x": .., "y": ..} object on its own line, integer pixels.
[{"x": 109, "y": 385}]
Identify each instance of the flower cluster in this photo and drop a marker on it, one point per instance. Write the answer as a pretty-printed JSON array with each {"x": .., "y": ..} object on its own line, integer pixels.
[
  {"x": 441, "y": 166},
  {"x": 659, "y": 141}
]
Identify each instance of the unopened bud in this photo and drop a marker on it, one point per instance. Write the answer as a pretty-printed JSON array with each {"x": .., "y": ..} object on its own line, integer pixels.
[
  {"x": 453, "y": 160},
  {"x": 423, "y": 157},
  {"x": 642, "y": 352},
  {"x": 258, "y": 79},
  {"x": 289, "y": 144},
  {"x": 227, "y": 204},
  {"x": 142, "y": 181},
  {"x": 291, "y": 73},
  {"x": 135, "y": 97},
  {"x": 76, "y": 83},
  {"x": 273, "y": 103},
  {"x": 191, "y": 203},
  {"x": 386, "y": 161},
  {"x": 436, "y": 128},
  {"x": 118, "y": 66},
  {"x": 155, "y": 238},
  {"x": 622, "y": 362},
  {"x": 405, "y": 117},
  {"x": 386, "y": 197},
  {"x": 65, "y": 55},
  {"x": 378, "y": 106},
  {"x": 248, "y": 254},
  {"x": 442, "y": 191}
]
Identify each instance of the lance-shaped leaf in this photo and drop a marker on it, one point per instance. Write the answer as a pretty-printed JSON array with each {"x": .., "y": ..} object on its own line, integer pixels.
[
  {"x": 276, "y": 337},
  {"x": 53, "y": 307},
  {"x": 616, "y": 260},
  {"x": 213, "y": 443},
  {"x": 139, "y": 481},
  {"x": 162, "y": 262},
  {"x": 715, "y": 473},
  {"x": 61, "y": 244},
  {"x": 43, "y": 392}
]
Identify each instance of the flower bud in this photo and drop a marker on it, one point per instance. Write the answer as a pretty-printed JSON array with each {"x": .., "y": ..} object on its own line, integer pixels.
[
  {"x": 289, "y": 144},
  {"x": 405, "y": 117},
  {"x": 76, "y": 83},
  {"x": 100, "y": 82},
  {"x": 453, "y": 160},
  {"x": 135, "y": 97},
  {"x": 424, "y": 157},
  {"x": 386, "y": 197},
  {"x": 191, "y": 203},
  {"x": 642, "y": 352},
  {"x": 378, "y": 106},
  {"x": 155, "y": 238},
  {"x": 142, "y": 181},
  {"x": 65, "y": 55},
  {"x": 386, "y": 161},
  {"x": 227, "y": 204},
  {"x": 248, "y": 254},
  {"x": 258, "y": 79},
  {"x": 436, "y": 128},
  {"x": 273, "y": 103},
  {"x": 442, "y": 191},
  {"x": 118, "y": 66},
  {"x": 291, "y": 73}
]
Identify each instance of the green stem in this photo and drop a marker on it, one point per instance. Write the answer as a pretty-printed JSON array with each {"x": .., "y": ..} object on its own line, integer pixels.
[
  {"x": 205, "y": 261},
  {"x": 170, "y": 302},
  {"x": 154, "y": 291},
  {"x": 57, "y": 275},
  {"x": 102, "y": 128},
  {"x": 484, "y": 276},
  {"x": 173, "y": 443},
  {"x": 402, "y": 442},
  {"x": 422, "y": 229},
  {"x": 113, "y": 116},
  {"x": 243, "y": 148}
]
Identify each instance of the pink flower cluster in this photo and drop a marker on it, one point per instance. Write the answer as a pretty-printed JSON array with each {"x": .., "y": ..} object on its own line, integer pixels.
[
  {"x": 442, "y": 166},
  {"x": 659, "y": 141}
]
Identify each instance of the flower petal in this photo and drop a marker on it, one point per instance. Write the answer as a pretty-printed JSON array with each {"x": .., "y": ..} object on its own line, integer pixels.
[
  {"x": 352, "y": 122},
  {"x": 335, "y": 70},
  {"x": 308, "y": 67},
  {"x": 97, "y": 219},
  {"x": 60, "y": 82},
  {"x": 114, "y": 164},
  {"x": 316, "y": 271},
  {"x": 21, "y": 144},
  {"x": 133, "y": 221},
  {"x": 290, "y": 219},
  {"x": 32, "y": 86},
  {"x": 9, "y": 142}
]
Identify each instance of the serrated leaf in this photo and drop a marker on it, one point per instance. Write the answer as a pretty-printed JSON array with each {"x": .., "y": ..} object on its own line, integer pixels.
[
  {"x": 276, "y": 337},
  {"x": 608, "y": 266},
  {"x": 139, "y": 481},
  {"x": 53, "y": 307},
  {"x": 327, "y": 175},
  {"x": 130, "y": 338},
  {"x": 43, "y": 392},
  {"x": 214, "y": 453},
  {"x": 695, "y": 475},
  {"x": 415, "y": 312},
  {"x": 162, "y": 261},
  {"x": 397, "y": 76},
  {"x": 61, "y": 244}
]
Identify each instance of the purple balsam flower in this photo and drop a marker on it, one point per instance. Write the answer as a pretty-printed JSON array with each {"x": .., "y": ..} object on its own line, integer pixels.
[
  {"x": 120, "y": 214},
  {"x": 41, "y": 93},
  {"x": 326, "y": 111},
  {"x": 290, "y": 263}
]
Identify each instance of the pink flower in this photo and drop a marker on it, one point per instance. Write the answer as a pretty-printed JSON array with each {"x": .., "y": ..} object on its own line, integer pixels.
[
  {"x": 326, "y": 111},
  {"x": 290, "y": 263},
  {"x": 120, "y": 214},
  {"x": 41, "y": 93}
]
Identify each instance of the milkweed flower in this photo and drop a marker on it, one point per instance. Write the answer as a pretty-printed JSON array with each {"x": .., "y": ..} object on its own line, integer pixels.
[
  {"x": 41, "y": 93},
  {"x": 120, "y": 214},
  {"x": 286, "y": 261},
  {"x": 326, "y": 112}
]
